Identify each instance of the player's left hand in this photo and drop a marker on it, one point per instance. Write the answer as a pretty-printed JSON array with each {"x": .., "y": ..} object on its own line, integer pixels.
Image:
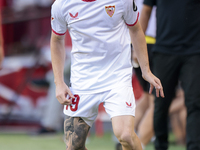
[{"x": 154, "y": 82}]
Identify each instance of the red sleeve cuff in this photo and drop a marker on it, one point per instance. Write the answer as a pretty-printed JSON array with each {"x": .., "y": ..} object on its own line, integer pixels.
[
  {"x": 58, "y": 33},
  {"x": 135, "y": 21}
]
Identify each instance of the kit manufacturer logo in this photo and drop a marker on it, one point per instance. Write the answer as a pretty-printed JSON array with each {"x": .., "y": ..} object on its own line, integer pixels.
[
  {"x": 129, "y": 104},
  {"x": 73, "y": 16}
]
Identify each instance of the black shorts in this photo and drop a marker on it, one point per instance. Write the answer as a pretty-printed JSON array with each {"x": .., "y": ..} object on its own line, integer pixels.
[{"x": 145, "y": 85}]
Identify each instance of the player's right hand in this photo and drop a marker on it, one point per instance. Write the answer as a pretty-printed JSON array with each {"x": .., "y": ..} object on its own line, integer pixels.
[{"x": 63, "y": 94}]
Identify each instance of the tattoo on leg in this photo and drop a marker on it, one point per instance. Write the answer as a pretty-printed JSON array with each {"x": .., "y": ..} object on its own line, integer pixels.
[{"x": 76, "y": 131}]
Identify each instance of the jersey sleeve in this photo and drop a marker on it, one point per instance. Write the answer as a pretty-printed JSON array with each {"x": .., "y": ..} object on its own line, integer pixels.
[
  {"x": 58, "y": 24},
  {"x": 131, "y": 13},
  {"x": 150, "y": 2}
]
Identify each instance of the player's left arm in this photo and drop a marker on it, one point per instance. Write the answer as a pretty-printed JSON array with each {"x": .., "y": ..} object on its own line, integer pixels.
[{"x": 140, "y": 48}]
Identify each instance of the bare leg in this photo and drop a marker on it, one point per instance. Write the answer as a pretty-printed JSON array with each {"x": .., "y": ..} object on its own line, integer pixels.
[
  {"x": 145, "y": 130},
  {"x": 76, "y": 131},
  {"x": 178, "y": 121},
  {"x": 178, "y": 102},
  {"x": 177, "y": 114},
  {"x": 124, "y": 131},
  {"x": 141, "y": 107},
  {"x": 182, "y": 115}
]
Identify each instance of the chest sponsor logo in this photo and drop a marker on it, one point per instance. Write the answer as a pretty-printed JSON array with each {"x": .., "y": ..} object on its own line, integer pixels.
[
  {"x": 110, "y": 10},
  {"x": 73, "y": 17}
]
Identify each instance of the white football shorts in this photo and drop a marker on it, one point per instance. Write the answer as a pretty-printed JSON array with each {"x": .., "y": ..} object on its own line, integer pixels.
[{"x": 117, "y": 102}]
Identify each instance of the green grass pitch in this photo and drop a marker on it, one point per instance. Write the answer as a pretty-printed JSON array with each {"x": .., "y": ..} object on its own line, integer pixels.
[{"x": 55, "y": 142}]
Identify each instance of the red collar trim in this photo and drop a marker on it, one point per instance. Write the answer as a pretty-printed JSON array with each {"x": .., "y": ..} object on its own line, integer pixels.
[{"x": 88, "y": 0}]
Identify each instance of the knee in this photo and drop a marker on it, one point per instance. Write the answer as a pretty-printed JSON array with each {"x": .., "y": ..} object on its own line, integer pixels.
[{"x": 126, "y": 138}]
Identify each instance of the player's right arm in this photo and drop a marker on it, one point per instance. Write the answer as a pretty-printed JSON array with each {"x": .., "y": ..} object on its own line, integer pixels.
[
  {"x": 59, "y": 29},
  {"x": 58, "y": 60}
]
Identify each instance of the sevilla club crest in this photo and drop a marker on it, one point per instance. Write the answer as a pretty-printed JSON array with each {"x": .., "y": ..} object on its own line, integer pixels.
[{"x": 110, "y": 10}]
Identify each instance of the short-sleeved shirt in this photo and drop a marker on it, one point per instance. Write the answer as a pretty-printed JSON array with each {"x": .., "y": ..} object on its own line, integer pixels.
[
  {"x": 101, "y": 55},
  {"x": 178, "y": 26}
]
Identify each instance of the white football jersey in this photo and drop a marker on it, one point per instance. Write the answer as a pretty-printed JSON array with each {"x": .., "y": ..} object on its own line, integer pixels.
[{"x": 101, "y": 55}]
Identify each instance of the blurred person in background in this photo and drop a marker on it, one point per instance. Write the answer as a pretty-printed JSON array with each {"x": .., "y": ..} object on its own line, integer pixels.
[
  {"x": 177, "y": 117},
  {"x": 177, "y": 114},
  {"x": 95, "y": 67},
  {"x": 176, "y": 57},
  {"x": 145, "y": 105}
]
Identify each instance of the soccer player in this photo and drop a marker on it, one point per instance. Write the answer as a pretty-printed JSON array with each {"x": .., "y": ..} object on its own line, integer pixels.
[{"x": 101, "y": 70}]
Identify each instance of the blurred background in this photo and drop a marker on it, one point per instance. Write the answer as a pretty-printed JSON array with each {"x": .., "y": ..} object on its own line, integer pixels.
[
  {"x": 30, "y": 116},
  {"x": 26, "y": 33}
]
